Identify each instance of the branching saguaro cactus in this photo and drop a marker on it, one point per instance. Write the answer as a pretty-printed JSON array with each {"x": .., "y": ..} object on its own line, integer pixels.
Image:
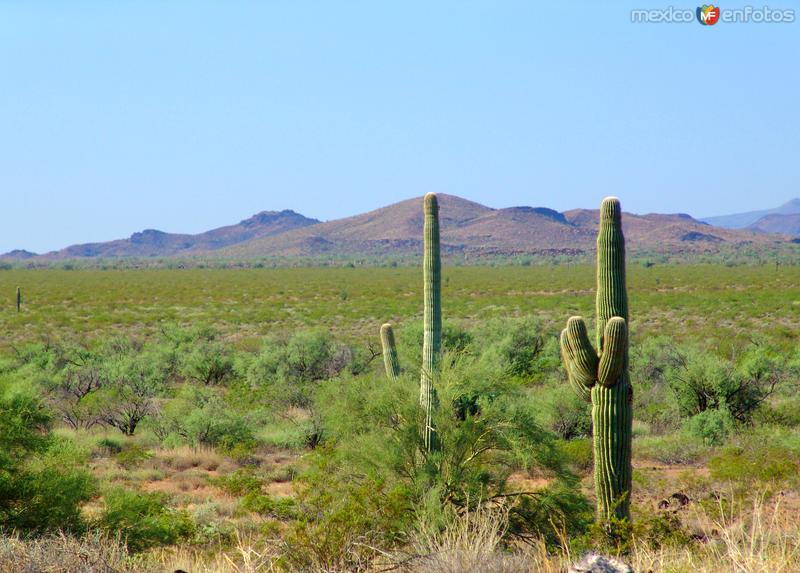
[
  {"x": 601, "y": 376},
  {"x": 432, "y": 322}
]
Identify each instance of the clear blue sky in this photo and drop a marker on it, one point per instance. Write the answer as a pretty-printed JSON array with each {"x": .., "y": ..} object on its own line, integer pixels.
[{"x": 185, "y": 115}]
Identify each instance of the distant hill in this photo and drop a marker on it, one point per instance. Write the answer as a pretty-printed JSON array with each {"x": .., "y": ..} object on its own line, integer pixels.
[
  {"x": 19, "y": 255},
  {"x": 153, "y": 243},
  {"x": 744, "y": 220},
  {"x": 467, "y": 228},
  {"x": 785, "y": 224},
  {"x": 397, "y": 229}
]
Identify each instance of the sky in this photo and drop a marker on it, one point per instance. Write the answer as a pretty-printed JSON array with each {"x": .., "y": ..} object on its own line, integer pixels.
[{"x": 187, "y": 115}]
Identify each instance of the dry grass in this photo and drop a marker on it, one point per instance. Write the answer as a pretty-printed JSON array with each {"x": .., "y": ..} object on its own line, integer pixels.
[
  {"x": 64, "y": 554},
  {"x": 763, "y": 539},
  {"x": 100, "y": 554},
  {"x": 474, "y": 544},
  {"x": 248, "y": 556},
  {"x": 184, "y": 457}
]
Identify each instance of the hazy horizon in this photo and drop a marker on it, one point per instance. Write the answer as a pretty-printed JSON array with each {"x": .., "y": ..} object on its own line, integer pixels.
[{"x": 193, "y": 115}]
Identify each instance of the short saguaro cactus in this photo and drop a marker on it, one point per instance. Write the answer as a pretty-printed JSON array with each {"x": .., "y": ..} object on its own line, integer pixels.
[{"x": 390, "y": 361}]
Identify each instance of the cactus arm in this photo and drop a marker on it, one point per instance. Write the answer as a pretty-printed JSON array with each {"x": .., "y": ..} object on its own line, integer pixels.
[
  {"x": 582, "y": 357},
  {"x": 390, "y": 361},
  {"x": 432, "y": 315},
  {"x": 612, "y": 362},
  {"x": 581, "y": 390}
]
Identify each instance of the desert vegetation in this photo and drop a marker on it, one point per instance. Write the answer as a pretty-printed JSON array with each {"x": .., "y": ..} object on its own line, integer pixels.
[{"x": 264, "y": 420}]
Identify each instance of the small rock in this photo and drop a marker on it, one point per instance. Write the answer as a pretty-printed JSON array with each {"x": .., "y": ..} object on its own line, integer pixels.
[
  {"x": 681, "y": 498},
  {"x": 593, "y": 563}
]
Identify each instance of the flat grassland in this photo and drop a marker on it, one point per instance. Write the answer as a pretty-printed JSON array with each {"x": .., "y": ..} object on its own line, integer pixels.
[{"x": 696, "y": 302}]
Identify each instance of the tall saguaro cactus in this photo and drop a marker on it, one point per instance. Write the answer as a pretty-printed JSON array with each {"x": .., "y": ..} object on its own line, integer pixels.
[
  {"x": 19, "y": 298},
  {"x": 601, "y": 376},
  {"x": 432, "y": 322},
  {"x": 432, "y": 319}
]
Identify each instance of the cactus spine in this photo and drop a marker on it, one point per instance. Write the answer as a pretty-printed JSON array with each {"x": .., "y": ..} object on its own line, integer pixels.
[
  {"x": 19, "y": 298},
  {"x": 432, "y": 319},
  {"x": 390, "y": 361},
  {"x": 602, "y": 376}
]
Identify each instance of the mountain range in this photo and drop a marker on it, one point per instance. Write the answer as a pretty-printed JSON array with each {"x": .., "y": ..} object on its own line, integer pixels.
[
  {"x": 153, "y": 243},
  {"x": 783, "y": 219},
  {"x": 466, "y": 228}
]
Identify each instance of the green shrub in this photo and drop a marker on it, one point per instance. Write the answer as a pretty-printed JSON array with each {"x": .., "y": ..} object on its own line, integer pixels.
[
  {"x": 753, "y": 462},
  {"x": 109, "y": 446},
  {"x": 132, "y": 456},
  {"x": 209, "y": 529},
  {"x": 785, "y": 412},
  {"x": 70, "y": 376},
  {"x": 784, "y": 438},
  {"x": 200, "y": 416},
  {"x": 239, "y": 482},
  {"x": 518, "y": 347},
  {"x": 143, "y": 520},
  {"x": 209, "y": 362},
  {"x": 455, "y": 339},
  {"x": 677, "y": 381},
  {"x": 43, "y": 480},
  {"x": 565, "y": 413},
  {"x": 342, "y": 518},
  {"x": 373, "y": 447},
  {"x": 51, "y": 489},
  {"x": 705, "y": 382},
  {"x": 579, "y": 453},
  {"x": 671, "y": 449},
  {"x": 246, "y": 484},
  {"x": 712, "y": 427},
  {"x": 286, "y": 433},
  {"x": 133, "y": 378},
  {"x": 654, "y": 403},
  {"x": 269, "y": 506},
  {"x": 217, "y": 427},
  {"x": 286, "y": 371}
]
